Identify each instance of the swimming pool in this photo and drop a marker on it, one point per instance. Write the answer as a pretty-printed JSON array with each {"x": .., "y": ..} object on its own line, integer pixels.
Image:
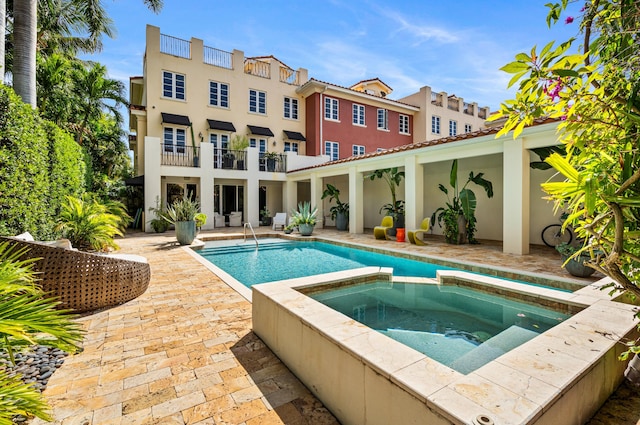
[
  {"x": 280, "y": 260},
  {"x": 276, "y": 259},
  {"x": 459, "y": 327}
]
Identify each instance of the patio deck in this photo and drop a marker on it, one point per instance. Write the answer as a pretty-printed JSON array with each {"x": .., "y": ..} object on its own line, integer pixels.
[{"x": 184, "y": 352}]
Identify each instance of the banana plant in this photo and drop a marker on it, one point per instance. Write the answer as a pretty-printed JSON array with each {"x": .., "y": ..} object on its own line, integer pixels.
[{"x": 462, "y": 203}]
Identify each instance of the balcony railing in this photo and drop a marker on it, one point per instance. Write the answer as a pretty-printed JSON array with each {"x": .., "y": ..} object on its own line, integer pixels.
[
  {"x": 468, "y": 108},
  {"x": 175, "y": 46},
  {"x": 257, "y": 68},
  {"x": 453, "y": 104},
  {"x": 217, "y": 57},
  {"x": 230, "y": 160},
  {"x": 436, "y": 99},
  {"x": 289, "y": 76},
  {"x": 180, "y": 155},
  {"x": 275, "y": 164}
]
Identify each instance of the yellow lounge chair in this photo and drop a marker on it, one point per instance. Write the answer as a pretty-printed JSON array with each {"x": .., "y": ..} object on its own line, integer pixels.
[
  {"x": 413, "y": 234},
  {"x": 380, "y": 232}
]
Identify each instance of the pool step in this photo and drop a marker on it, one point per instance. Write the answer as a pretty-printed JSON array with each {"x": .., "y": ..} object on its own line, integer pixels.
[
  {"x": 244, "y": 247},
  {"x": 493, "y": 348}
]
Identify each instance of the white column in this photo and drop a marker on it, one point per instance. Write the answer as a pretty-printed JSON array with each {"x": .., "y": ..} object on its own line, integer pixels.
[
  {"x": 251, "y": 207},
  {"x": 152, "y": 177},
  {"x": 316, "y": 197},
  {"x": 413, "y": 194},
  {"x": 206, "y": 184},
  {"x": 289, "y": 197},
  {"x": 356, "y": 200},
  {"x": 515, "y": 204}
]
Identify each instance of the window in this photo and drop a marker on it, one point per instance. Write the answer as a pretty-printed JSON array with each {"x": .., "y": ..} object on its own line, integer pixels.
[
  {"x": 358, "y": 150},
  {"x": 220, "y": 144},
  {"x": 218, "y": 94},
  {"x": 291, "y": 147},
  {"x": 404, "y": 124},
  {"x": 358, "y": 114},
  {"x": 435, "y": 124},
  {"x": 383, "y": 119},
  {"x": 173, "y": 85},
  {"x": 331, "y": 109},
  {"x": 332, "y": 149},
  {"x": 467, "y": 128},
  {"x": 174, "y": 140},
  {"x": 291, "y": 108},
  {"x": 261, "y": 144},
  {"x": 453, "y": 128},
  {"x": 257, "y": 101}
]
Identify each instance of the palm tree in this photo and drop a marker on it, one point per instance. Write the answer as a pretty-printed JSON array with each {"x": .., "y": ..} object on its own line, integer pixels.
[
  {"x": 25, "y": 37},
  {"x": 25, "y": 26},
  {"x": 94, "y": 93}
]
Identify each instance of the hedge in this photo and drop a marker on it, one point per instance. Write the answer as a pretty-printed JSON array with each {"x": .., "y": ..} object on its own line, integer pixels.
[{"x": 39, "y": 165}]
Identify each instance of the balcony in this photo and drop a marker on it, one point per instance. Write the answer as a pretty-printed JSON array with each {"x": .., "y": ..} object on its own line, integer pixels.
[
  {"x": 436, "y": 99},
  {"x": 217, "y": 57},
  {"x": 468, "y": 108},
  {"x": 453, "y": 104},
  {"x": 175, "y": 46},
  {"x": 180, "y": 155},
  {"x": 257, "y": 68},
  {"x": 273, "y": 163},
  {"x": 229, "y": 160},
  {"x": 289, "y": 76}
]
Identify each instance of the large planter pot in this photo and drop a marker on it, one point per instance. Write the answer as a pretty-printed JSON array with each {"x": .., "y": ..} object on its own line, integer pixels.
[
  {"x": 342, "y": 221},
  {"x": 185, "y": 232},
  {"x": 305, "y": 229},
  {"x": 271, "y": 164},
  {"x": 266, "y": 221},
  {"x": 576, "y": 266}
]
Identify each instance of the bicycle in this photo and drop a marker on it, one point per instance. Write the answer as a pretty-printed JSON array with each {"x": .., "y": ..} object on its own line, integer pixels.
[{"x": 552, "y": 235}]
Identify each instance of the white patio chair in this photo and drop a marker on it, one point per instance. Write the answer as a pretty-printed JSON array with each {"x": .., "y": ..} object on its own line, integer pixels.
[
  {"x": 235, "y": 219},
  {"x": 279, "y": 220}
]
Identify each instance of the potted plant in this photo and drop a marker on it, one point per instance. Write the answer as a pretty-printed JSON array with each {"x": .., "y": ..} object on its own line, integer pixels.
[
  {"x": 574, "y": 259},
  {"x": 288, "y": 229},
  {"x": 239, "y": 144},
  {"x": 266, "y": 216},
  {"x": 395, "y": 209},
  {"x": 182, "y": 214},
  {"x": 271, "y": 158},
  {"x": 340, "y": 211},
  {"x": 158, "y": 223},
  {"x": 304, "y": 218},
  {"x": 459, "y": 214},
  {"x": 196, "y": 159},
  {"x": 227, "y": 159}
]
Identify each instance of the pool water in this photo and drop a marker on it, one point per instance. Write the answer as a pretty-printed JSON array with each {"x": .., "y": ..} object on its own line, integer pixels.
[
  {"x": 456, "y": 326},
  {"x": 291, "y": 259}
]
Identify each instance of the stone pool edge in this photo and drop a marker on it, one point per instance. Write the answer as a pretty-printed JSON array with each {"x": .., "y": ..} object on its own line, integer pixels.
[{"x": 363, "y": 376}]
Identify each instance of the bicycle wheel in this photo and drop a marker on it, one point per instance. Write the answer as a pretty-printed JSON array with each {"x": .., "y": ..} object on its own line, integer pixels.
[{"x": 552, "y": 235}]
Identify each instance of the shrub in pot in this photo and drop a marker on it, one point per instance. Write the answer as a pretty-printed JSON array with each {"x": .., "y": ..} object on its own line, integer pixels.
[
  {"x": 392, "y": 177},
  {"x": 182, "y": 214},
  {"x": 574, "y": 259},
  {"x": 304, "y": 218},
  {"x": 340, "y": 211}
]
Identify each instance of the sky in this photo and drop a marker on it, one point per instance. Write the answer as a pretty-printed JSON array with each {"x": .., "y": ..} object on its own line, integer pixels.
[{"x": 453, "y": 46}]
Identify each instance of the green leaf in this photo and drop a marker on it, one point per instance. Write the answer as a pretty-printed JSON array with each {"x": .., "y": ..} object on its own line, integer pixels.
[
  {"x": 565, "y": 73},
  {"x": 515, "y": 67}
]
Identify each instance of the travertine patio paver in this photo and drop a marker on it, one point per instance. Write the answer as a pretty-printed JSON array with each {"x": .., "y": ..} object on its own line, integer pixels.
[{"x": 184, "y": 352}]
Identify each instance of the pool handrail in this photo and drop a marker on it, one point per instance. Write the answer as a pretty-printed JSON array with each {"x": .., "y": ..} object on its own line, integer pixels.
[{"x": 252, "y": 232}]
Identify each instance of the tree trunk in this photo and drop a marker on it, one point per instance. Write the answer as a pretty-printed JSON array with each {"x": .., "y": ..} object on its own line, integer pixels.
[
  {"x": 3, "y": 28},
  {"x": 24, "y": 61}
]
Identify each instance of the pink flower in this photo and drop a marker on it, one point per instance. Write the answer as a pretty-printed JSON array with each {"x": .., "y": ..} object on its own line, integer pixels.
[{"x": 568, "y": 20}]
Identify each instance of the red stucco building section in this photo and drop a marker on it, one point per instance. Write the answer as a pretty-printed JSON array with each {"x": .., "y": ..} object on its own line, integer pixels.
[{"x": 347, "y": 134}]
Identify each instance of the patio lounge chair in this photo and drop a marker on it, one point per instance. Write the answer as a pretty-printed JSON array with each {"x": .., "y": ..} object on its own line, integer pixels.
[
  {"x": 279, "y": 220},
  {"x": 413, "y": 234},
  {"x": 218, "y": 220},
  {"x": 235, "y": 219},
  {"x": 380, "y": 232},
  {"x": 83, "y": 281}
]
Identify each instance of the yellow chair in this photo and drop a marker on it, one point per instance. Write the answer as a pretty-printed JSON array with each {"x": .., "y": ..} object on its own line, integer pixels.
[
  {"x": 413, "y": 234},
  {"x": 380, "y": 232}
]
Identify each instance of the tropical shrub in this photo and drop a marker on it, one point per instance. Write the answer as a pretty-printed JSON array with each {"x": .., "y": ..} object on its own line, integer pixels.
[
  {"x": 89, "y": 224},
  {"x": 332, "y": 193},
  {"x": 27, "y": 317},
  {"x": 304, "y": 215},
  {"x": 182, "y": 210},
  {"x": 39, "y": 165},
  {"x": 592, "y": 90}
]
